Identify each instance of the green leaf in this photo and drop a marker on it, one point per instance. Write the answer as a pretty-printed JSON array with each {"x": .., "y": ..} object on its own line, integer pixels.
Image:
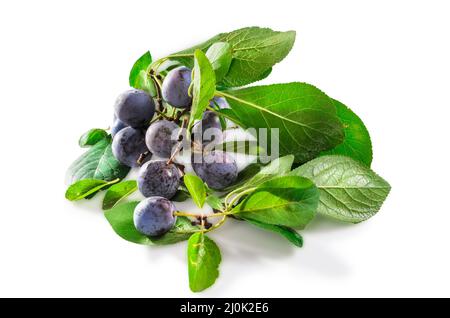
[
  {"x": 91, "y": 137},
  {"x": 290, "y": 234},
  {"x": 121, "y": 219},
  {"x": 215, "y": 202},
  {"x": 254, "y": 50},
  {"x": 305, "y": 116},
  {"x": 97, "y": 162},
  {"x": 290, "y": 201},
  {"x": 219, "y": 54},
  {"x": 275, "y": 168},
  {"x": 349, "y": 191},
  {"x": 84, "y": 188},
  {"x": 117, "y": 193},
  {"x": 181, "y": 231},
  {"x": 138, "y": 75},
  {"x": 254, "y": 174},
  {"x": 196, "y": 188},
  {"x": 204, "y": 86},
  {"x": 203, "y": 262},
  {"x": 357, "y": 143},
  {"x": 181, "y": 196}
]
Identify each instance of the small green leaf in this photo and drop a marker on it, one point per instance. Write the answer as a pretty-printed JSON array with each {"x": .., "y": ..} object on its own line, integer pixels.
[
  {"x": 349, "y": 190},
  {"x": 215, "y": 202},
  {"x": 121, "y": 219},
  {"x": 196, "y": 188},
  {"x": 118, "y": 192},
  {"x": 219, "y": 54},
  {"x": 86, "y": 187},
  {"x": 138, "y": 74},
  {"x": 290, "y": 234},
  {"x": 203, "y": 262},
  {"x": 181, "y": 196},
  {"x": 181, "y": 231},
  {"x": 204, "y": 86},
  {"x": 275, "y": 168},
  {"x": 91, "y": 137},
  {"x": 98, "y": 162},
  {"x": 357, "y": 143},
  {"x": 284, "y": 201}
]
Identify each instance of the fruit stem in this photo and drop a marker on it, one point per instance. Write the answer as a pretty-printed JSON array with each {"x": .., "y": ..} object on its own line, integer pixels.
[
  {"x": 179, "y": 144},
  {"x": 237, "y": 197},
  {"x": 217, "y": 225},
  {"x": 153, "y": 76}
]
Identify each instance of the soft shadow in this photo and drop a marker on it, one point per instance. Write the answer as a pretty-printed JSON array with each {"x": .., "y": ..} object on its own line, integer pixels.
[{"x": 321, "y": 224}]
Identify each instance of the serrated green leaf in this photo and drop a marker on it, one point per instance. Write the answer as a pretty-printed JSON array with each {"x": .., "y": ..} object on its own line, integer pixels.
[
  {"x": 204, "y": 86},
  {"x": 349, "y": 191},
  {"x": 196, "y": 188},
  {"x": 254, "y": 50},
  {"x": 98, "y": 162},
  {"x": 219, "y": 54},
  {"x": 290, "y": 234},
  {"x": 289, "y": 201},
  {"x": 117, "y": 193},
  {"x": 304, "y": 116},
  {"x": 203, "y": 262},
  {"x": 357, "y": 143},
  {"x": 121, "y": 220},
  {"x": 138, "y": 75},
  {"x": 91, "y": 137},
  {"x": 86, "y": 187}
]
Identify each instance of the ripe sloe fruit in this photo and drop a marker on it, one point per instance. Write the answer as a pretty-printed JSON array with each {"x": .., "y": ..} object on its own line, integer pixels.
[
  {"x": 157, "y": 178},
  {"x": 175, "y": 87},
  {"x": 161, "y": 138},
  {"x": 208, "y": 129},
  {"x": 127, "y": 146},
  {"x": 154, "y": 216},
  {"x": 135, "y": 108},
  {"x": 216, "y": 168},
  {"x": 117, "y": 126}
]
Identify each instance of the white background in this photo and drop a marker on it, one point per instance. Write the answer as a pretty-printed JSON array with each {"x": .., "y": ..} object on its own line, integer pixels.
[{"x": 63, "y": 63}]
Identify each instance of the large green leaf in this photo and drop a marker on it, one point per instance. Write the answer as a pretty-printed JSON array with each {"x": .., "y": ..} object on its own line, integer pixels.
[
  {"x": 255, "y": 50},
  {"x": 203, "y": 262},
  {"x": 304, "y": 116},
  {"x": 357, "y": 143},
  {"x": 121, "y": 219},
  {"x": 349, "y": 191},
  {"x": 204, "y": 86},
  {"x": 97, "y": 163},
  {"x": 288, "y": 201},
  {"x": 117, "y": 193},
  {"x": 290, "y": 234}
]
